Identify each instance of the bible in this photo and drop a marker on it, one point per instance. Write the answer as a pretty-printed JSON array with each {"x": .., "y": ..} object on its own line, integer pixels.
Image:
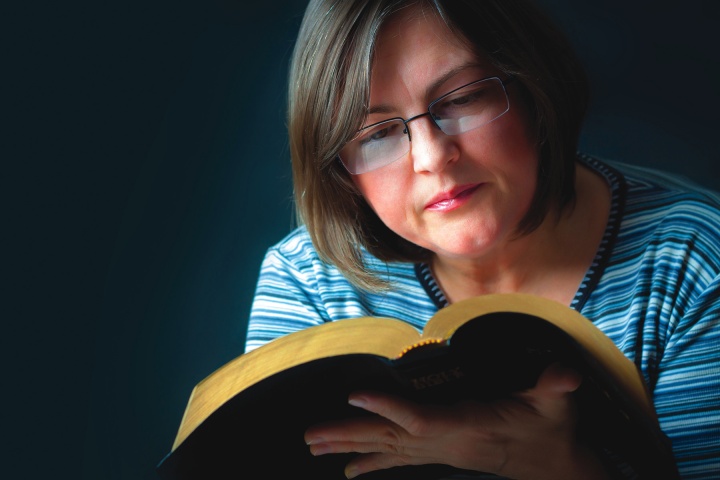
[{"x": 250, "y": 415}]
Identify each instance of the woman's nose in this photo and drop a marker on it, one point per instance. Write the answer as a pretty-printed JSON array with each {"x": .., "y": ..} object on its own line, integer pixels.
[{"x": 431, "y": 150}]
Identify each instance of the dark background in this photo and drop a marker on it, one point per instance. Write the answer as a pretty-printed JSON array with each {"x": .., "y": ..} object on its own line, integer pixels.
[{"x": 145, "y": 171}]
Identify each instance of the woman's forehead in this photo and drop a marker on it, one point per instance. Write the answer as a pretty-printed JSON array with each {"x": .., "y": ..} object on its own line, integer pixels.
[{"x": 415, "y": 46}]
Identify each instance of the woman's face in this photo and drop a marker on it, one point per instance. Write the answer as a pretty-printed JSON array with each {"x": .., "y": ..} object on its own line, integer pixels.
[{"x": 459, "y": 196}]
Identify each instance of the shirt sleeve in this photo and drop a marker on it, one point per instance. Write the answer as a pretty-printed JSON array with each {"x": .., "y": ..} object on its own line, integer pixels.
[
  {"x": 687, "y": 392},
  {"x": 285, "y": 299}
]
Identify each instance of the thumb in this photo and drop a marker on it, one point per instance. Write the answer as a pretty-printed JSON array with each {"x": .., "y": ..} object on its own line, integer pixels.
[
  {"x": 551, "y": 396},
  {"x": 557, "y": 380}
]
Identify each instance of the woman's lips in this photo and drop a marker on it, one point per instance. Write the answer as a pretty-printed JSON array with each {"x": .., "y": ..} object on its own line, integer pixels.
[{"x": 452, "y": 199}]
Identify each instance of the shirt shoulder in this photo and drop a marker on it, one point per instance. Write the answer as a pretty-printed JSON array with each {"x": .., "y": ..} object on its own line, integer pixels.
[
  {"x": 297, "y": 289},
  {"x": 663, "y": 207}
]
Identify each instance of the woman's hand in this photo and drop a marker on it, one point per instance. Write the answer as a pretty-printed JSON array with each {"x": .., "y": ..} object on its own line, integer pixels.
[{"x": 529, "y": 435}]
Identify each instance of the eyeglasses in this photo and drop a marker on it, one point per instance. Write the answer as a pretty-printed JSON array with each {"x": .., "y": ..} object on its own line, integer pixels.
[{"x": 461, "y": 110}]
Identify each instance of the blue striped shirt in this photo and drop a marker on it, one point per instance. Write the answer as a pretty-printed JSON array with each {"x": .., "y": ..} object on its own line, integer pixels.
[{"x": 653, "y": 288}]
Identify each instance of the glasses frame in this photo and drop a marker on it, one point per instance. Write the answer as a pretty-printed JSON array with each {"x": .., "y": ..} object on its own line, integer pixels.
[{"x": 428, "y": 113}]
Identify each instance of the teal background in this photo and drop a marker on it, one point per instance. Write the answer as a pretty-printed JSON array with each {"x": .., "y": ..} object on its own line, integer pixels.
[{"x": 145, "y": 171}]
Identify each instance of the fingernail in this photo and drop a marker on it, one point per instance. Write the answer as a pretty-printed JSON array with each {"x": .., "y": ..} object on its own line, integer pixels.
[
  {"x": 351, "y": 472},
  {"x": 357, "y": 401},
  {"x": 321, "y": 449}
]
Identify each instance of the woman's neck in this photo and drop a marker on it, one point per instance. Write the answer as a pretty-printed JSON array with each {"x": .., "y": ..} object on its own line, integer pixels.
[{"x": 550, "y": 262}]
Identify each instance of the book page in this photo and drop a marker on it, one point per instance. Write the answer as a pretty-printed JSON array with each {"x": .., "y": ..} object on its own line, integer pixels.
[
  {"x": 383, "y": 337},
  {"x": 591, "y": 338}
]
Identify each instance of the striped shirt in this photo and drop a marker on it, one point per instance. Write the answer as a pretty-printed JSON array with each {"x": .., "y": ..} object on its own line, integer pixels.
[{"x": 653, "y": 288}]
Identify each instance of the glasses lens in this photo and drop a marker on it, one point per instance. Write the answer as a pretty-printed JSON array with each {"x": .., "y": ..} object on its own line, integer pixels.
[
  {"x": 470, "y": 107},
  {"x": 375, "y": 146}
]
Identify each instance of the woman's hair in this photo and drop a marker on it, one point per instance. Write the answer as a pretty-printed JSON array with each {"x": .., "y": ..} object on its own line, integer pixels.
[{"x": 329, "y": 88}]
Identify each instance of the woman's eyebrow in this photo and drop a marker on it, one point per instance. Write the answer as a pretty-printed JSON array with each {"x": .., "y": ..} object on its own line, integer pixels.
[
  {"x": 430, "y": 89},
  {"x": 434, "y": 86}
]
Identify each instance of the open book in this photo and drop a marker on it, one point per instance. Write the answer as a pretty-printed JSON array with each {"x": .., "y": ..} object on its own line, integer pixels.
[{"x": 251, "y": 414}]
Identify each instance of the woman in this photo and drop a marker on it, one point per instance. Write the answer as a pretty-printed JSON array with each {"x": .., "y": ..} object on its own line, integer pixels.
[{"x": 434, "y": 159}]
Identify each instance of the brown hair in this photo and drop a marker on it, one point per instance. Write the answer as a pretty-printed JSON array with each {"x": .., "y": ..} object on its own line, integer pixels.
[{"x": 328, "y": 96}]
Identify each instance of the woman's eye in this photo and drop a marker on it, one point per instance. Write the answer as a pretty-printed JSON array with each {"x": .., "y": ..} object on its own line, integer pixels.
[
  {"x": 377, "y": 134},
  {"x": 382, "y": 133},
  {"x": 465, "y": 99}
]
